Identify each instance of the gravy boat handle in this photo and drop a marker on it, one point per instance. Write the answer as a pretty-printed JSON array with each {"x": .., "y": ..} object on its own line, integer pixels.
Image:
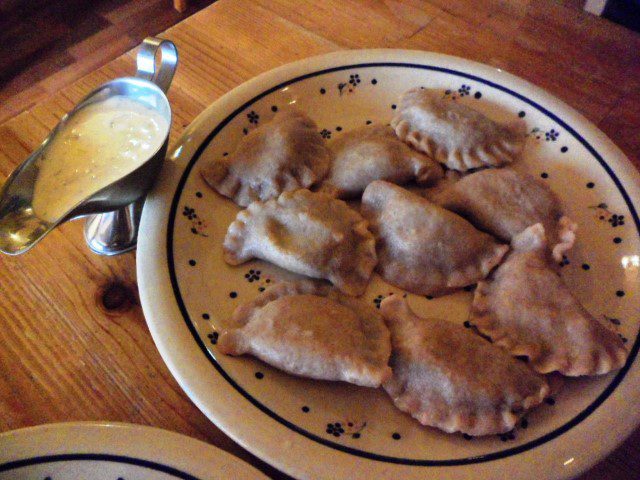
[{"x": 146, "y": 62}]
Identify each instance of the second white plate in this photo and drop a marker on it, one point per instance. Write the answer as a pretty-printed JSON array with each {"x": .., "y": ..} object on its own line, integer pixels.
[{"x": 113, "y": 451}]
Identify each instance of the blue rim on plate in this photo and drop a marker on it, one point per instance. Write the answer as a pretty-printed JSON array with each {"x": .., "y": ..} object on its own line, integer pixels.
[
  {"x": 113, "y": 450},
  {"x": 353, "y": 451},
  {"x": 99, "y": 457}
]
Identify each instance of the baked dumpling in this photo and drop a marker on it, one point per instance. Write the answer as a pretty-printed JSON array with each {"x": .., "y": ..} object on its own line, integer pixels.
[
  {"x": 373, "y": 152},
  {"x": 447, "y": 377},
  {"x": 284, "y": 154},
  {"x": 308, "y": 233},
  {"x": 312, "y": 331},
  {"x": 504, "y": 202},
  {"x": 422, "y": 247},
  {"x": 454, "y": 134},
  {"x": 525, "y": 307}
]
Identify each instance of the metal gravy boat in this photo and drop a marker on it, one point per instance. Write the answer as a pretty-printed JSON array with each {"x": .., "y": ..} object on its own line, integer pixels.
[{"x": 114, "y": 210}]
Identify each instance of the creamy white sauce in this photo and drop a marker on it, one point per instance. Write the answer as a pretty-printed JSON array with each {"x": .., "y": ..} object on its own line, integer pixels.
[{"x": 99, "y": 145}]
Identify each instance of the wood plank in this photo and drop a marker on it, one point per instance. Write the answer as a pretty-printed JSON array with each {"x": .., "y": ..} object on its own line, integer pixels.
[
  {"x": 90, "y": 61},
  {"x": 207, "y": 53},
  {"x": 621, "y": 125},
  {"x": 531, "y": 53},
  {"x": 15, "y": 104},
  {"x": 486, "y": 13},
  {"x": 34, "y": 73},
  {"x": 48, "y": 45},
  {"x": 370, "y": 24}
]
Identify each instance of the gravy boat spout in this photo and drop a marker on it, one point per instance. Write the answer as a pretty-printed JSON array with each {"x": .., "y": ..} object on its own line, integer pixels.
[{"x": 22, "y": 225}]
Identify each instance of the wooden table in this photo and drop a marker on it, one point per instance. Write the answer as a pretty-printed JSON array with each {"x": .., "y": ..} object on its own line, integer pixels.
[{"x": 75, "y": 345}]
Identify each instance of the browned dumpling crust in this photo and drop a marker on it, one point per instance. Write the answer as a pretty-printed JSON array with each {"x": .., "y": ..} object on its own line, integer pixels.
[
  {"x": 447, "y": 377},
  {"x": 284, "y": 154},
  {"x": 454, "y": 134},
  {"x": 526, "y": 308},
  {"x": 423, "y": 248},
  {"x": 504, "y": 202},
  {"x": 309, "y": 233},
  {"x": 312, "y": 331},
  {"x": 374, "y": 152}
]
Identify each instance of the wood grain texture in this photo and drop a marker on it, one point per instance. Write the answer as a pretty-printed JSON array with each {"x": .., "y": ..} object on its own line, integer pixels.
[
  {"x": 48, "y": 44},
  {"x": 67, "y": 357}
]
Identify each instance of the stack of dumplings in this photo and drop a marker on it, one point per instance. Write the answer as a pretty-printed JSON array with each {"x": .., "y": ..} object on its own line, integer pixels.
[{"x": 439, "y": 210}]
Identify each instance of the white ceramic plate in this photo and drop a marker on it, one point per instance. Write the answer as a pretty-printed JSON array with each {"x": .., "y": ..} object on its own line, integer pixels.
[
  {"x": 113, "y": 451},
  {"x": 329, "y": 430}
]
